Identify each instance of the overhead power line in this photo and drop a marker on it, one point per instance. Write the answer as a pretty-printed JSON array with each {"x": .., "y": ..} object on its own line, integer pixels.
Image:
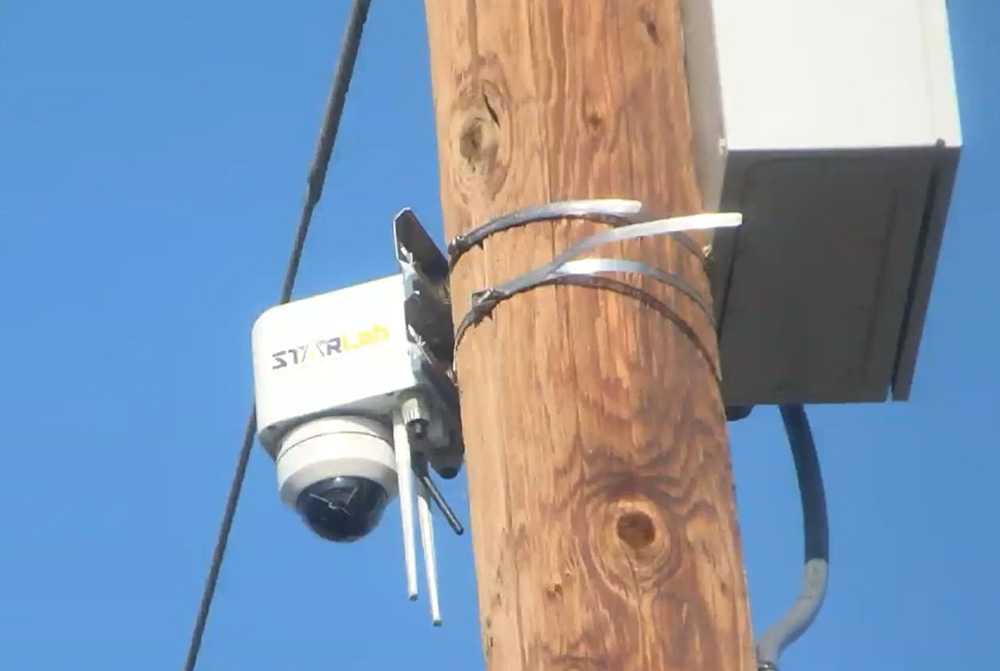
[{"x": 314, "y": 190}]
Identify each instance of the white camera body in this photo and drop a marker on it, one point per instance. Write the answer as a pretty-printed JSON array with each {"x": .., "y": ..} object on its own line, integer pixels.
[
  {"x": 349, "y": 352},
  {"x": 354, "y": 396},
  {"x": 345, "y": 352}
]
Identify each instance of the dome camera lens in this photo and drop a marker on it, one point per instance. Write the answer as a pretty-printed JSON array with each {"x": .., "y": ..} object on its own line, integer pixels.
[{"x": 343, "y": 508}]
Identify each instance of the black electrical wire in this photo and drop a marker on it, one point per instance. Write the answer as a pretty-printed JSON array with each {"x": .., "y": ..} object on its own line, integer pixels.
[
  {"x": 801, "y": 614},
  {"x": 314, "y": 190}
]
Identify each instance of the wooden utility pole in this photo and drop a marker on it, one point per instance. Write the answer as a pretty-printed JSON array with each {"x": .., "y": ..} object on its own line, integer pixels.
[{"x": 600, "y": 484}]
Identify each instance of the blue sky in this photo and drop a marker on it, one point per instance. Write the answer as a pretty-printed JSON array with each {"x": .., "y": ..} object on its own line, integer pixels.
[{"x": 152, "y": 162}]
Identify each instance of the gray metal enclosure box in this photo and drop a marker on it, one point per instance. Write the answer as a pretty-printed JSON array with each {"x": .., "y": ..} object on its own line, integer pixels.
[{"x": 833, "y": 126}]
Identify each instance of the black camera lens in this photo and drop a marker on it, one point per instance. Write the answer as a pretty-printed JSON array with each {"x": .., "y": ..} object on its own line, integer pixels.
[{"x": 344, "y": 508}]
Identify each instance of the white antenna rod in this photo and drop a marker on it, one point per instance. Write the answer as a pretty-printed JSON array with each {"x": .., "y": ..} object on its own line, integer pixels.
[
  {"x": 404, "y": 475},
  {"x": 427, "y": 541}
]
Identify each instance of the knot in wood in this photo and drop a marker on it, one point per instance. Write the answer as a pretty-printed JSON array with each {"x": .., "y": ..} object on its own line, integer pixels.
[
  {"x": 477, "y": 144},
  {"x": 636, "y": 530},
  {"x": 480, "y": 132}
]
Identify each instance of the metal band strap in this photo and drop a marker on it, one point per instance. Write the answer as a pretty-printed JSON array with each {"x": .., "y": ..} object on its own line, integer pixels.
[
  {"x": 566, "y": 269},
  {"x": 596, "y": 266},
  {"x": 614, "y": 211},
  {"x": 618, "y": 287}
]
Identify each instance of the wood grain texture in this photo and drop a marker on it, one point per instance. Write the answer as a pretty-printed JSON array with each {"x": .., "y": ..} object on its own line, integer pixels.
[{"x": 600, "y": 483}]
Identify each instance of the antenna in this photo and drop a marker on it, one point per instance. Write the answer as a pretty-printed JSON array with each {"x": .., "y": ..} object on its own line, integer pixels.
[
  {"x": 404, "y": 475},
  {"x": 427, "y": 541},
  {"x": 408, "y": 463}
]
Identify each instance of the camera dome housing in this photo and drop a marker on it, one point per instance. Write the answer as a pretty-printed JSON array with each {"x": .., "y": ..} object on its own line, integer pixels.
[
  {"x": 339, "y": 474},
  {"x": 342, "y": 508}
]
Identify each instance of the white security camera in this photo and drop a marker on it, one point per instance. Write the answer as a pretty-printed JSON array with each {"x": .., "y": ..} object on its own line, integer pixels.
[{"x": 354, "y": 397}]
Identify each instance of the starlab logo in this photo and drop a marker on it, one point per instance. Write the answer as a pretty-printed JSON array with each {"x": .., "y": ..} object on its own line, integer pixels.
[{"x": 325, "y": 348}]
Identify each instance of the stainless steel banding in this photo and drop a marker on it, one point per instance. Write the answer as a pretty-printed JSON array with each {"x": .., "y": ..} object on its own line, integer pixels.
[
  {"x": 566, "y": 269},
  {"x": 613, "y": 211}
]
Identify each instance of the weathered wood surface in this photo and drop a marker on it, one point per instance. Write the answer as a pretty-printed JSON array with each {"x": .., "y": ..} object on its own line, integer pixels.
[{"x": 600, "y": 484}]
